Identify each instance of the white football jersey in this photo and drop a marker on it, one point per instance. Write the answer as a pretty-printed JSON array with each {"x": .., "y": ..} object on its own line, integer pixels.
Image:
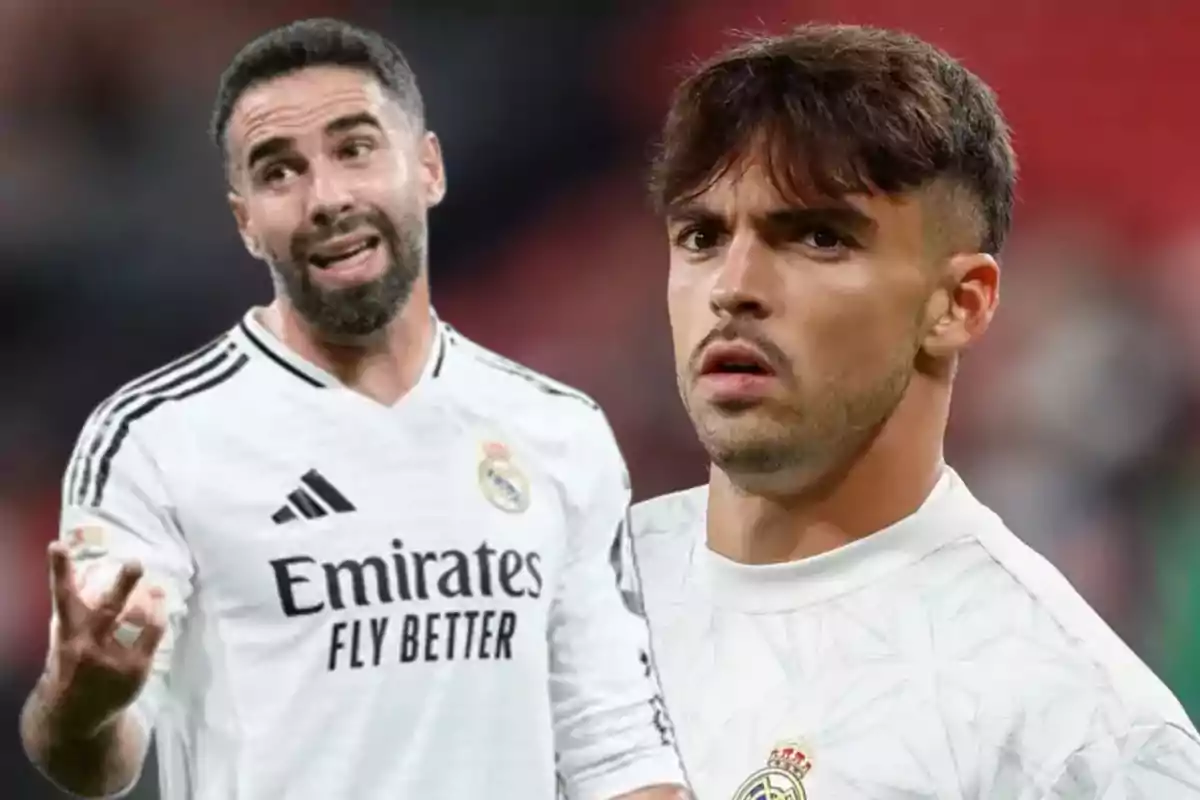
[
  {"x": 939, "y": 658},
  {"x": 426, "y": 600}
]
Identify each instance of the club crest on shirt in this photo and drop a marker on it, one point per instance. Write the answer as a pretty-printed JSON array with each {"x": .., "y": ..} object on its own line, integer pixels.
[
  {"x": 502, "y": 482},
  {"x": 782, "y": 779}
]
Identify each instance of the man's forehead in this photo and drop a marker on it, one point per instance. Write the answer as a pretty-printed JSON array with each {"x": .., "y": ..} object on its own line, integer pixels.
[
  {"x": 298, "y": 102},
  {"x": 750, "y": 192}
]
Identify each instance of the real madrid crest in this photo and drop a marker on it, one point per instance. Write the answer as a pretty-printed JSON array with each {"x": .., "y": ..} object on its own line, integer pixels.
[
  {"x": 781, "y": 779},
  {"x": 502, "y": 482}
]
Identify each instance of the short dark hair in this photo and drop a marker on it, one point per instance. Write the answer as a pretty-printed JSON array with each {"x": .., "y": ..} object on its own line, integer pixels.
[
  {"x": 314, "y": 43},
  {"x": 840, "y": 109}
]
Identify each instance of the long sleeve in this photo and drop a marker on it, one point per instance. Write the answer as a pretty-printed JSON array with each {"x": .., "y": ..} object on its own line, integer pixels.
[
  {"x": 115, "y": 509},
  {"x": 612, "y": 730}
]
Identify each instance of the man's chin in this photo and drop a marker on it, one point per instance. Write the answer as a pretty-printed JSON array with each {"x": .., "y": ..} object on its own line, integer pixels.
[
  {"x": 352, "y": 325},
  {"x": 349, "y": 335},
  {"x": 351, "y": 314},
  {"x": 741, "y": 440}
]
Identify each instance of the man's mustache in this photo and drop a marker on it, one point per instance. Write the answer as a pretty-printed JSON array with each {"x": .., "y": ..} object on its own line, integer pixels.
[{"x": 738, "y": 331}]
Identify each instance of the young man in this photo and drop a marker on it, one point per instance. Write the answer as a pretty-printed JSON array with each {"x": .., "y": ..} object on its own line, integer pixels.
[
  {"x": 834, "y": 614},
  {"x": 377, "y": 556}
]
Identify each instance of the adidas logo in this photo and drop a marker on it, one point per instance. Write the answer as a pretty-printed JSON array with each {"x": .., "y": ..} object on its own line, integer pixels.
[{"x": 303, "y": 502}]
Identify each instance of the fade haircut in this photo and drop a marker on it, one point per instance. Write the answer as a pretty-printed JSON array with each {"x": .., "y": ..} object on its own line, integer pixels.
[
  {"x": 837, "y": 110},
  {"x": 315, "y": 43}
]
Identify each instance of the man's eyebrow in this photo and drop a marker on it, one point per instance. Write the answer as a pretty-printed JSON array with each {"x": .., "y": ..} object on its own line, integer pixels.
[
  {"x": 837, "y": 215},
  {"x": 690, "y": 212},
  {"x": 268, "y": 148},
  {"x": 351, "y": 121},
  {"x": 279, "y": 144}
]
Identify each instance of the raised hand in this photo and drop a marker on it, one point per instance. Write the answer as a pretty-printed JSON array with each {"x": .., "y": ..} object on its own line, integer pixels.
[{"x": 96, "y": 666}]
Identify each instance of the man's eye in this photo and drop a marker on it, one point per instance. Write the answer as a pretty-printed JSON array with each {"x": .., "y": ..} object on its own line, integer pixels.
[
  {"x": 276, "y": 173},
  {"x": 697, "y": 238},
  {"x": 356, "y": 149},
  {"x": 825, "y": 239}
]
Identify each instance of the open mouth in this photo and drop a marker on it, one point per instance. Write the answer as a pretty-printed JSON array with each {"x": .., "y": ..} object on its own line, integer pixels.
[
  {"x": 734, "y": 359},
  {"x": 734, "y": 368},
  {"x": 332, "y": 256}
]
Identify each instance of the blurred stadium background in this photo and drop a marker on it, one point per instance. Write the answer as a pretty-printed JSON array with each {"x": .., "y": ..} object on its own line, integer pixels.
[{"x": 1078, "y": 419}]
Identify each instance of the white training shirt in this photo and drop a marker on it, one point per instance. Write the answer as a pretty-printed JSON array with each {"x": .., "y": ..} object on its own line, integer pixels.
[
  {"x": 939, "y": 658},
  {"x": 426, "y": 600}
]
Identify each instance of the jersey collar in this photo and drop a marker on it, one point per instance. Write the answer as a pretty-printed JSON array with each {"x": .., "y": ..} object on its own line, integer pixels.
[
  {"x": 945, "y": 516},
  {"x": 262, "y": 342}
]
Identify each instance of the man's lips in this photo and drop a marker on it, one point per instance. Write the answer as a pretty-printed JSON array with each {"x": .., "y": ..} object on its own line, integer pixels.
[
  {"x": 330, "y": 253},
  {"x": 734, "y": 358}
]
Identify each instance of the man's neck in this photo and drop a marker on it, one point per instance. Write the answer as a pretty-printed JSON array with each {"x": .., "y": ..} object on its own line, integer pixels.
[
  {"x": 384, "y": 366},
  {"x": 885, "y": 484}
]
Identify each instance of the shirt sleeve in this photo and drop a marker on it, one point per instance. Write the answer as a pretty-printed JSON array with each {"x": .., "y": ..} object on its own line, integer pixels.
[
  {"x": 1146, "y": 761},
  {"x": 116, "y": 509},
  {"x": 612, "y": 731}
]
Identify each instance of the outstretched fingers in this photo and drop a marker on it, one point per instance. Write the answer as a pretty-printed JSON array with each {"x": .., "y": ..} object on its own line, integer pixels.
[
  {"x": 105, "y": 616},
  {"x": 68, "y": 605}
]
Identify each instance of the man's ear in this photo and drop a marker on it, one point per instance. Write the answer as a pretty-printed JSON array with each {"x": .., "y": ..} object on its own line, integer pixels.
[
  {"x": 433, "y": 169},
  {"x": 962, "y": 308},
  {"x": 241, "y": 215}
]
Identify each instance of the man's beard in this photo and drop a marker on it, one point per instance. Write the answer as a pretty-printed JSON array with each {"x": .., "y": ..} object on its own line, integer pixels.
[
  {"x": 803, "y": 449},
  {"x": 355, "y": 311}
]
